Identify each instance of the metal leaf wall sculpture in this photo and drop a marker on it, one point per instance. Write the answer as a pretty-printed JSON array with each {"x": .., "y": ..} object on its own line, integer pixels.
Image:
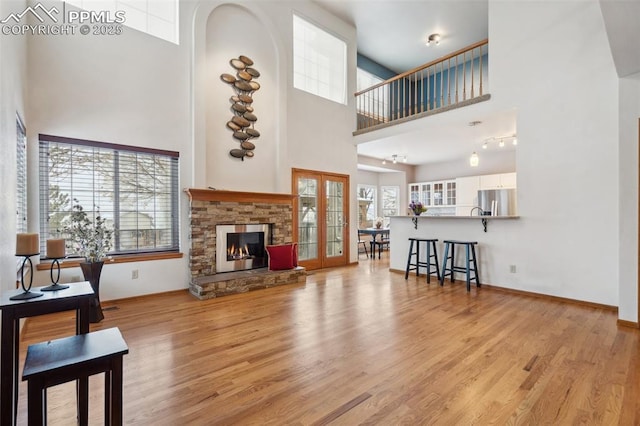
[{"x": 243, "y": 121}]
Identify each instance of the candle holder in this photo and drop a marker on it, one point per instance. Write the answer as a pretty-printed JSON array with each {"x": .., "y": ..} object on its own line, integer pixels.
[
  {"x": 26, "y": 292},
  {"x": 55, "y": 286}
]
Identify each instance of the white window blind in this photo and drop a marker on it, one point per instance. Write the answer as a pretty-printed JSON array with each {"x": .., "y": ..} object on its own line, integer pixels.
[
  {"x": 21, "y": 177},
  {"x": 134, "y": 189},
  {"x": 319, "y": 61}
]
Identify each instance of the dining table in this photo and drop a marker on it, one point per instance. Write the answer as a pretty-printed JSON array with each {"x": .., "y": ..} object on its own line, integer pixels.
[{"x": 375, "y": 232}]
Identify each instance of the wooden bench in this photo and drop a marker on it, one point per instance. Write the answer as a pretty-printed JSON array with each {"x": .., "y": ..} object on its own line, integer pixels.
[{"x": 71, "y": 358}]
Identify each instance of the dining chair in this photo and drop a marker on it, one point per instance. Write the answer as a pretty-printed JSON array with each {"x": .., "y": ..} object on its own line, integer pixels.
[
  {"x": 380, "y": 244},
  {"x": 363, "y": 242}
]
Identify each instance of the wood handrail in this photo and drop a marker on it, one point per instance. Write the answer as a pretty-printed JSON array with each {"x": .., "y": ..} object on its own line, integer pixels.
[{"x": 427, "y": 65}]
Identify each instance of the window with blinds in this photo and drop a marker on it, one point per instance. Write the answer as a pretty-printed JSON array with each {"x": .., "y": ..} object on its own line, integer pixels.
[
  {"x": 134, "y": 189},
  {"x": 21, "y": 178}
]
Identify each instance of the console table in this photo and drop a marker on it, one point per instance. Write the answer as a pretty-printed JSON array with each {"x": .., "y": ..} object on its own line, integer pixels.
[{"x": 77, "y": 297}]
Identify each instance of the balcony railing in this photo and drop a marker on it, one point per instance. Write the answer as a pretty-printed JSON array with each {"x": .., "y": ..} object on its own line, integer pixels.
[{"x": 452, "y": 80}]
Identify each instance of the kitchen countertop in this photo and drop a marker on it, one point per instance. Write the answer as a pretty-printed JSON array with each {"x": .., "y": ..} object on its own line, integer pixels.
[{"x": 457, "y": 217}]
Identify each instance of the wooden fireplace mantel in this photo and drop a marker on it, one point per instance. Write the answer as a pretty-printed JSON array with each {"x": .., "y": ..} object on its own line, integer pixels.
[{"x": 238, "y": 196}]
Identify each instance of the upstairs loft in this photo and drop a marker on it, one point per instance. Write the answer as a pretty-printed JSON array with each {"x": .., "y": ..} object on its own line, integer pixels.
[{"x": 452, "y": 81}]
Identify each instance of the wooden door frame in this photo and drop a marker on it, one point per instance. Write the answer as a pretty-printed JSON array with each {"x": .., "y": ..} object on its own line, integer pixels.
[{"x": 321, "y": 175}]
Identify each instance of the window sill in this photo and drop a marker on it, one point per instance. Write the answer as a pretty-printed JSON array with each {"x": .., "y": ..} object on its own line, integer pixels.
[{"x": 74, "y": 263}]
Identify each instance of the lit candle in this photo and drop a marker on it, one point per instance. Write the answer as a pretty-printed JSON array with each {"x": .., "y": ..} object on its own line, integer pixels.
[
  {"x": 27, "y": 244},
  {"x": 55, "y": 249}
]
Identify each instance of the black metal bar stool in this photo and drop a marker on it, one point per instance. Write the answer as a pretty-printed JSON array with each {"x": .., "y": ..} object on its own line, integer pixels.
[
  {"x": 470, "y": 252},
  {"x": 430, "y": 245}
]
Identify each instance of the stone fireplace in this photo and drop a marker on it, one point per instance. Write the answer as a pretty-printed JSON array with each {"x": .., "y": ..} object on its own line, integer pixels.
[
  {"x": 211, "y": 208},
  {"x": 242, "y": 247}
]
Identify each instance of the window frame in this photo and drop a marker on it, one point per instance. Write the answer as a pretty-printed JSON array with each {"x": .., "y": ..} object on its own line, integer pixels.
[
  {"x": 315, "y": 57},
  {"x": 117, "y": 150},
  {"x": 377, "y": 101},
  {"x": 384, "y": 188},
  {"x": 373, "y": 207}
]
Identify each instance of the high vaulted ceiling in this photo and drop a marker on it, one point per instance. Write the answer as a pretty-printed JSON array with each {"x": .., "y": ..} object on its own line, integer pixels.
[{"x": 393, "y": 33}]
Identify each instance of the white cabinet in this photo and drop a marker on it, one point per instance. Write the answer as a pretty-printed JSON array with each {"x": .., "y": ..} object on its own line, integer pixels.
[
  {"x": 498, "y": 181},
  {"x": 508, "y": 180},
  {"x": 467, "y": 194},
  {"x": 430, "y": 194},
  {"x": 461, "y": 193}
]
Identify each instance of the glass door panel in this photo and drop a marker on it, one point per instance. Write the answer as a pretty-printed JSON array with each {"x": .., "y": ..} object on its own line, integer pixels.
[
  {"x": 321, "y": 210},
  {"x": 335, "y": 219},
  {"x": 307, "y": 219},
  {"x": 336, "y": 213}
]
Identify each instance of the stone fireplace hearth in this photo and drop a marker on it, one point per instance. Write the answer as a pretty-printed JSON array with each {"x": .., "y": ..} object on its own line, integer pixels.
[{"x": 209, "y": 208}]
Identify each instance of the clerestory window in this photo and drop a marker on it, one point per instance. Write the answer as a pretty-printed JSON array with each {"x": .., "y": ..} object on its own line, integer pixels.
[
  {"x": 158, "y": 18},
  {"x": 319, "y": 61}
]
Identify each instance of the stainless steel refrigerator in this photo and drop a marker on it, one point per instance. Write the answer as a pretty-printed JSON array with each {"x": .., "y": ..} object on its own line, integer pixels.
[{"x": 498, "y": 202}]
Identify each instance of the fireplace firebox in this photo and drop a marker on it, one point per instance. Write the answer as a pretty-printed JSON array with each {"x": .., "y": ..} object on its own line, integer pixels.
[{"x": 242, "y": 247}]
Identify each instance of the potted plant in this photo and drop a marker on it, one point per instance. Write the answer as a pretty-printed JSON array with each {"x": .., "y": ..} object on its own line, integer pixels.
[
  {"x": 417, "y": 208},
  {"x": 92, "y": 240}
]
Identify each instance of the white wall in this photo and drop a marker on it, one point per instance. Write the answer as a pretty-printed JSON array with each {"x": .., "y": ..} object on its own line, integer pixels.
[
  {"x": 224, "y": 42},
  {"x": 131, "y": 89},
  {"x": 497, "y": 162},
  {"x": 13, "y": 55},
  {"x": 629, "y": 92},
  {"x": 567, "y": 156},
  {"x": 138, "y": 90},
  {"x": 551, "y": 61}
]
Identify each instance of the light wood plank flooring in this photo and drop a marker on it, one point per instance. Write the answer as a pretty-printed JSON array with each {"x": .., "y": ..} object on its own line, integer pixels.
[{"x": 360, "y": 345}]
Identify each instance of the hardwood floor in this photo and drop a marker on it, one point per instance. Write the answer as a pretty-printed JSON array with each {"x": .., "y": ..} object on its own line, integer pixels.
[{"x": 360, "y": 345}]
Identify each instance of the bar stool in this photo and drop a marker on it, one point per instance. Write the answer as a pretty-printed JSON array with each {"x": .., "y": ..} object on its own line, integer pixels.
[
  {"x": 470, "y": 252},
  {"x": 430, "y": 245}
]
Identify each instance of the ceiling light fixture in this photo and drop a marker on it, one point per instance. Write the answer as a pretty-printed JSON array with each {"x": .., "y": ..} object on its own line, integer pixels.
[
  {"x": 474, "y": 160},
  {"x": 433, "y": 38},
  {"x": 500, "y": 141},
  {"x": 394, "y": 159}
]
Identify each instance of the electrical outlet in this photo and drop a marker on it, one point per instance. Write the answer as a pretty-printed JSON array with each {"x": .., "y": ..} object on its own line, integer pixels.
[
  {"x": 134, "y": 274},
  {"x": 512, "y": 269}
]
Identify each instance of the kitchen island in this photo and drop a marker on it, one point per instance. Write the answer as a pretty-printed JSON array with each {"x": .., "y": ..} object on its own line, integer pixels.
[{"x": 494, "y": 254}]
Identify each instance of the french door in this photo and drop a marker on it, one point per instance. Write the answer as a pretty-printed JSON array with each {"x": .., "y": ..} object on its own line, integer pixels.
[{"x": 321, "y": 210}]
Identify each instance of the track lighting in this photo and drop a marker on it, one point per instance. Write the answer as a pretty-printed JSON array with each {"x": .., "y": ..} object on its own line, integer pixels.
[
  {"x": 500, "y": 141},
  {"x": 394, "y": 159}
]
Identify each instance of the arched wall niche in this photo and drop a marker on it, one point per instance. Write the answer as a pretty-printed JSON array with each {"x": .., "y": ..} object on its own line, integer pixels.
[{"x": 223, "y": 31}]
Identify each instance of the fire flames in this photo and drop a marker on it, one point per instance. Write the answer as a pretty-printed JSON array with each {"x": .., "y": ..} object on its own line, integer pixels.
[{"x": 234, "y": 253}]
